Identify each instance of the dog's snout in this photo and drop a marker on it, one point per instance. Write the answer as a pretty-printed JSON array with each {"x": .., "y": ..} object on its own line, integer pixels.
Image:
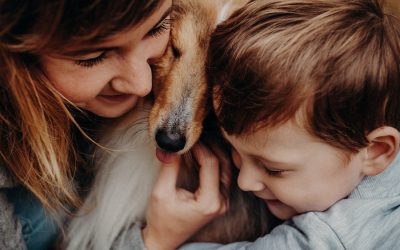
[{"x": 170, "y": 141}]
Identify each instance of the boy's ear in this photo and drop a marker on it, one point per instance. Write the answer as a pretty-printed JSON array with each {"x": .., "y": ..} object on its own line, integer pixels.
[{"x": 382, "y": 149}]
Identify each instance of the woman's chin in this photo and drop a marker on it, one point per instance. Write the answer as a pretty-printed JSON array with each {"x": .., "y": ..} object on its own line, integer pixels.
[{"x": 107, "y": 109}]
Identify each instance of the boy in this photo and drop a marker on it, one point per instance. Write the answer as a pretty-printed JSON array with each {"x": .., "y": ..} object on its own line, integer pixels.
[{"x": 308, "y": 94}]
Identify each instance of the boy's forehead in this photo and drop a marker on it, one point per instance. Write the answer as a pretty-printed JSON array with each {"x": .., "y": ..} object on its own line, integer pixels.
[
  {"x": 247, "y": 142},
  {"x": 289, "y": 135}
]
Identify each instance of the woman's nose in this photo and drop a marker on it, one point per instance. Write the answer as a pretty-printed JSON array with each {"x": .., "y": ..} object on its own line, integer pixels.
[
  {"x": 249, "y": 180},
  {"x": 134, "y": 78}
]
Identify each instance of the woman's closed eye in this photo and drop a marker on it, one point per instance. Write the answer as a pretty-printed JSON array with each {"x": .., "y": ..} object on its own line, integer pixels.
[
  {"x": 95, "y": 58},
  {"x": 161, "y": 27},
  {"x": 92, "y": 61}
]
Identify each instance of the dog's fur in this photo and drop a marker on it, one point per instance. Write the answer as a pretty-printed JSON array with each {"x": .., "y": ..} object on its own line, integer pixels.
[{"x": 124, "y": 180}]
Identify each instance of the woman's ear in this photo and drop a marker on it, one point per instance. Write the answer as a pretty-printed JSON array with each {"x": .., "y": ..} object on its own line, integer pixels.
[{"x": 382, "y": 149}]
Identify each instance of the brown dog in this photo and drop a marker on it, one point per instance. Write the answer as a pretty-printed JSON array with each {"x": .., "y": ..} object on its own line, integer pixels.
[{"x": 181, "y": 85}]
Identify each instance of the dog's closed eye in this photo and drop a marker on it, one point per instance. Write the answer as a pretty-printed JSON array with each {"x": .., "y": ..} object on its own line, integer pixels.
[{"x": 176, "y": 52}]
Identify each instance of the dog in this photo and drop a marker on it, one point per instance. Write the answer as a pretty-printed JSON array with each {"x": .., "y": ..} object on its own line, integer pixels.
[{"x": 170, "y": 122}]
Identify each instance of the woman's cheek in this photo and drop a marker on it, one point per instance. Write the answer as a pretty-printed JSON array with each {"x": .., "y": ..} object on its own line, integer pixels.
[{"x": 157, "y": 47}]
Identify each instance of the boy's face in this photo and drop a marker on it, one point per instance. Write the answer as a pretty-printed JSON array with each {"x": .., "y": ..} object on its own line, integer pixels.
[{"x": 292, "y": 171}]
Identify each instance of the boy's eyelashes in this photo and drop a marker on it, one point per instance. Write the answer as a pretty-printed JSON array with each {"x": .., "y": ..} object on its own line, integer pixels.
[
  {"x": 270, "y": 170},
  {"x": 274, "y": 172}
]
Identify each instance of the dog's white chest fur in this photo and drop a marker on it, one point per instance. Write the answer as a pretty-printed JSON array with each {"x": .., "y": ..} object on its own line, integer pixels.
[{"x": 121, "y": 188}]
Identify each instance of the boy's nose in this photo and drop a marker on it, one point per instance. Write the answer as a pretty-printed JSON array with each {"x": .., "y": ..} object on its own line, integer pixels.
[{"x": 248, "y": 180}]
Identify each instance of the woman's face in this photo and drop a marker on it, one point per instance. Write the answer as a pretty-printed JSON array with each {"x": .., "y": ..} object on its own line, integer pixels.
[{"x": 109, "y": 78}]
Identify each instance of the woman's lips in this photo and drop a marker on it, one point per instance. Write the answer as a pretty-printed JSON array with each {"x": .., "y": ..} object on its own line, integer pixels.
[{"x": 116, "y": 98}]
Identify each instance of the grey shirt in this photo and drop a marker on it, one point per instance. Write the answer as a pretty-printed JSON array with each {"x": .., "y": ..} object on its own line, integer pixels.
[
  {"x": 10, "y": 227},
  {"x": 368, "y": 219}
]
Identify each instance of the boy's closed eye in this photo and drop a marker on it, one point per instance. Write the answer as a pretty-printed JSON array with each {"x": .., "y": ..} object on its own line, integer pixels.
[
  {"x": 259, "y": 163},
  {"x": 270, "y": 170}
]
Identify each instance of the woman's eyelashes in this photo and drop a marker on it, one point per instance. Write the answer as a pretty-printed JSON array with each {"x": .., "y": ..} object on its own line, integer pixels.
[
  {"x": 90, "y": 62},
  {"x": 158, "y": 30},
  {"x": 161, "y": 27}
]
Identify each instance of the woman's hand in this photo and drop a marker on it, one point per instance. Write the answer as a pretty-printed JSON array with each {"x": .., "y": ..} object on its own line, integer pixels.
[{"x": 175, "y": 214}]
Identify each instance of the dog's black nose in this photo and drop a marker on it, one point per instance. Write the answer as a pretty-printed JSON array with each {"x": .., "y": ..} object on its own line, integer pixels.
[{"x": 170, "y": 141}]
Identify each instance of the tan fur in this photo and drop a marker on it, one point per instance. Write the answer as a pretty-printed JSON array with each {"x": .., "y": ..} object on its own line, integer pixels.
[
  {"x": 180, "y": 83},
  {"x": 181, "y": 80}
]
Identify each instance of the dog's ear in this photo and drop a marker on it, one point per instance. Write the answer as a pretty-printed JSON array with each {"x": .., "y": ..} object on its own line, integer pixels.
[
  {"x": 381, "y": 151},
  {"x": 216, "y": 96}
]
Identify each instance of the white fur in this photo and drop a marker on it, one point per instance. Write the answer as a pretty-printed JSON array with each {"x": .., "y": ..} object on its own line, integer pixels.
[
  {"x": 121, "y": 188},
  {"x": 223, "y": 13}
]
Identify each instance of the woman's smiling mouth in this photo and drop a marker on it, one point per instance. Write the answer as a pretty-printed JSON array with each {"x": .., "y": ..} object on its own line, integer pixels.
[{"x": 116, "y": 98}]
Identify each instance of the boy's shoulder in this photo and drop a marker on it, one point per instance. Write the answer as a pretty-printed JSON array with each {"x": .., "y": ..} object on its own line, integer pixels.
[
  {"x": 354, "y": 221},
  {"x": 374, "y": 204},
  {"x": 383, "y": 186}
]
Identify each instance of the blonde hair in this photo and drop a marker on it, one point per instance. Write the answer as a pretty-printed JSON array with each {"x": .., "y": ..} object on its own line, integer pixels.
[{"x": 36, "y": 144}]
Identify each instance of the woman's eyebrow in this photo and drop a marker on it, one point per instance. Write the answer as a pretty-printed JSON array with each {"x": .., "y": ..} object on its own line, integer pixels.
[
  {"x": 166, "y": 13},
  {"x": 87, "y": 51},
  {"x": 101, "y": 49}
]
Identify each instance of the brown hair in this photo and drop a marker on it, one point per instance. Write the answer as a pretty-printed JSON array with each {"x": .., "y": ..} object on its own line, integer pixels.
[
  {"x": 35, "y": 124},
  {"x": 338, "y": 61}
]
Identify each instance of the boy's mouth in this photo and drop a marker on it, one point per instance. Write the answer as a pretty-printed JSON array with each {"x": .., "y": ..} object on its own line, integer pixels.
[
  {"x": 272, "y": 202},
  {"x": 269, "y": 201}
]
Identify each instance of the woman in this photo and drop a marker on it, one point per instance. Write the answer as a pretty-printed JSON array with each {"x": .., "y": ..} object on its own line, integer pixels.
[{"x": 59, "y": 58}]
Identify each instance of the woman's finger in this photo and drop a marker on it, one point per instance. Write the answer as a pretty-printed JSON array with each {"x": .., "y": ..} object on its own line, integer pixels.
[{"x": 167, "y": 177}]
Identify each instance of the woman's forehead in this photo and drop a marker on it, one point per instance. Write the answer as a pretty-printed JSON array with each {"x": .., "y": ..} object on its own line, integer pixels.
[{"x": 96, "y": 22}]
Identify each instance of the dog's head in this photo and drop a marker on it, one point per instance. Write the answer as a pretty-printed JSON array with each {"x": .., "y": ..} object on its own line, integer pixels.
[{"x": 180, "y": 84}]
